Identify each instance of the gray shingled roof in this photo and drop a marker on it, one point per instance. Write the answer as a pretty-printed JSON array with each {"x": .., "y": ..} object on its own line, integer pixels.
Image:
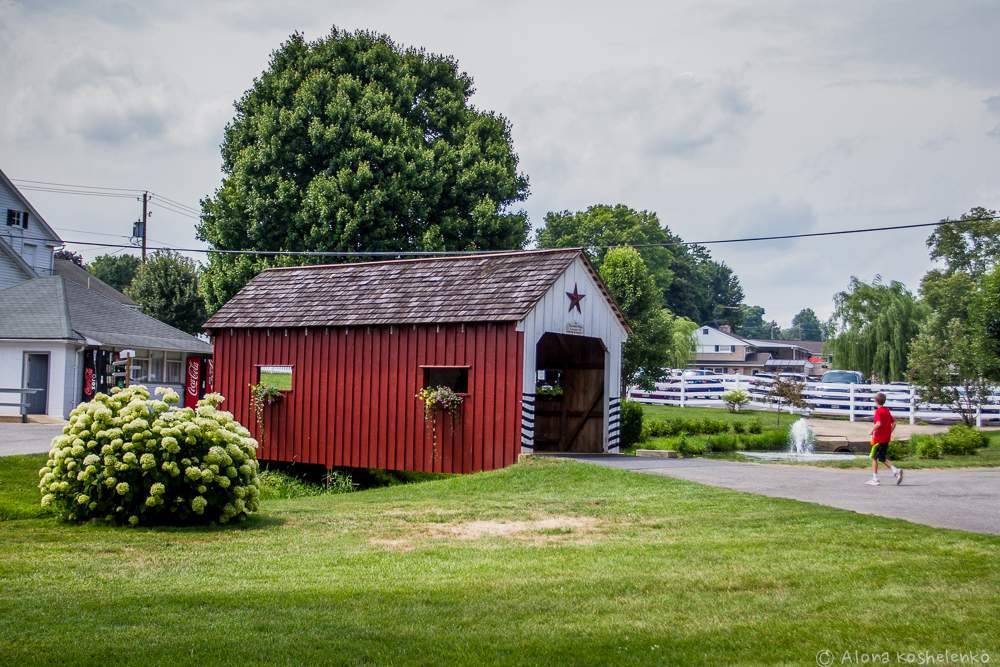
[
  {"x": 36, "y": 309},
  {"x": 55, "y": 308},
  {"x": 81, "y": 276},
  {"x": 493, "y": 287}
]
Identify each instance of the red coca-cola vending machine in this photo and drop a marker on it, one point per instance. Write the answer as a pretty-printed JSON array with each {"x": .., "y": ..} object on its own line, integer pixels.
[{"x": 199, "y": 379}]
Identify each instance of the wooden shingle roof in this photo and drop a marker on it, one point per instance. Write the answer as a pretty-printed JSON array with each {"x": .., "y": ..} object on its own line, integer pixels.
[{"x": 493, "y": 287}]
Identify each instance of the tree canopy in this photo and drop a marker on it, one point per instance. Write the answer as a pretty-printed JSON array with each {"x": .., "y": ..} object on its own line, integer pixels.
[
  {"x": 805, "y": 326},
  {"x": 70, "y": 256},
  {"x": 354, "y": 143},
  {"x": 971, "y": 247},
  {"x": 116, "y": 270},
  {"x": 692, "y": 285},
  {"x": 659, "y": 341},
  {"x": 166, "y": 287}
]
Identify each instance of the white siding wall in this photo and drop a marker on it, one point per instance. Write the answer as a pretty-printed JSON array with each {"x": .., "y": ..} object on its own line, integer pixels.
[
  {"x": 11, "y": 273},
  {"x": 63, "y": 371},
  {"x": 17, "y": 237},
  {"x": 597, "y": 320}
]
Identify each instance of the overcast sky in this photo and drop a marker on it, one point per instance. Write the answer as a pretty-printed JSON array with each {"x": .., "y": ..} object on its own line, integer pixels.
[{"x": 727, "y": 119}]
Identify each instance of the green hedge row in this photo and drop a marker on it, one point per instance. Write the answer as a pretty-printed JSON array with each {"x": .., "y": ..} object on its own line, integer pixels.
[
  {"x": 696, "y": 445},
  {"x": 702, "y": 426},
  {"x": 960, "y": 440}
]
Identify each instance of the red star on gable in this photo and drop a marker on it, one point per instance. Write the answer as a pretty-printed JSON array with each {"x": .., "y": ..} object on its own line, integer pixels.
[{"x": 574, "y": 299}]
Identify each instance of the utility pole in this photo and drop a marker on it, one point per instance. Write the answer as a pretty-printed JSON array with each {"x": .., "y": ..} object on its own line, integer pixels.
[{"x": 145, "y": 219}]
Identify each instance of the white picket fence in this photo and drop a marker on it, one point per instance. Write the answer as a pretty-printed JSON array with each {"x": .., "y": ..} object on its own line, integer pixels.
[{"x": 855, "y": 401}]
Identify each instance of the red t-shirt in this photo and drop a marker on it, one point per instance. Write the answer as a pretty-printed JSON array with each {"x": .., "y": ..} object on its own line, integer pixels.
[{"x": 885, "y": 420}]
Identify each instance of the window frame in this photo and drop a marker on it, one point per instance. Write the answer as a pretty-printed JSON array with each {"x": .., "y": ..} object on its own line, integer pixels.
[
  {"x": 173, "y": 358},
  {"x": 462, "y": 367},
  {"x": 291, "y": 369}
]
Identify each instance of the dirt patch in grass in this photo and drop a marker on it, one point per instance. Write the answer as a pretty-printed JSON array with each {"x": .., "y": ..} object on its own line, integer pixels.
[
  {"x": 539, "y": 531},
  {"x": 553, "y": 525}
]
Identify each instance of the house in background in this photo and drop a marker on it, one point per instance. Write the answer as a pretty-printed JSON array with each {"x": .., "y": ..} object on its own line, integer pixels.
[
  {"x": 719, "y": 350},
  {"x": 60, "y": 327}
]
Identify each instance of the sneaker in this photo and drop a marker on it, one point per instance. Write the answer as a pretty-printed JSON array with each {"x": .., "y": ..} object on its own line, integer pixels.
[
  {"x": 872, "y": 482},
  {"x": 899, "y": 477}
]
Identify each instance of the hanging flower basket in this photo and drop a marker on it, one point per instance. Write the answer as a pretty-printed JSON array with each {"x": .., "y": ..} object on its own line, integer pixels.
[
  {"x": 262, "y": 395},
  {"x": 437, "y": 400}
]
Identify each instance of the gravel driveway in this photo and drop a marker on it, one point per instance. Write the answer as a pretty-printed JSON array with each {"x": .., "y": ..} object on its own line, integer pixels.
[
  {"x": 27, "y": 438},
  {"x": 967, "y": 499}
]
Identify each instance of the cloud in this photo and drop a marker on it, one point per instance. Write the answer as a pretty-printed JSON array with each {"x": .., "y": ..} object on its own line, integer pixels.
[
  {"x": 106, "y": 103},
  {"x": 915, "y": 38},
  {"x": 650, "y": 111},
  {"x": 771, "y": 217},
  {"x": 993, "y": 106}
]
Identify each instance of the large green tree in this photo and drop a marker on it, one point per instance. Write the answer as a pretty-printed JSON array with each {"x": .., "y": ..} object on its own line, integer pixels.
[
  {"x": 166, "y": 287},
  {"x": 972, "y": 246},
  {"x": 659, "y": 341},
  {"x": 116, "y": 270},
  {"x": 875, "y": 324},
  {"x": 805, "y": 326},
  {"x": 354, "y": 143},
  {"x": 691, "y": 283}
]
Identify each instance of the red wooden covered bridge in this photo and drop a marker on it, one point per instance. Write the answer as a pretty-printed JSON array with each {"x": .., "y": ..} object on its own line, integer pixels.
[{"x": 352, "y": 344}]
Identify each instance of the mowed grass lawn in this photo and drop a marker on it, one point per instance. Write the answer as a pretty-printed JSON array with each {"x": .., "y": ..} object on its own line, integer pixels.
[
  {"x": 546, "y": 562},
  {"x": 769, "y": 420}
]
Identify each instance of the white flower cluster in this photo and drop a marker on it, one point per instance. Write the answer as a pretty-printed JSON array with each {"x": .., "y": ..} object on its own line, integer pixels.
[{"x": 131, "y": 459}]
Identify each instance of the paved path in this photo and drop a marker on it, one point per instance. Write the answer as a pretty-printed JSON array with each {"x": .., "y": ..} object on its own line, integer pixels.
[
  {"x": 27, "y": 438},
  {"x": 967, "y": 499}
]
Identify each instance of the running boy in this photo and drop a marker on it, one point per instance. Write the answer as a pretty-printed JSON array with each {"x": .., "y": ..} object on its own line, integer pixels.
[{"x": 881, "y": 434}]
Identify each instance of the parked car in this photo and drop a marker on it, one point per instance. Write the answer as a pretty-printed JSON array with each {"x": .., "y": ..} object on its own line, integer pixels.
[{"x": 842, "y": 377}]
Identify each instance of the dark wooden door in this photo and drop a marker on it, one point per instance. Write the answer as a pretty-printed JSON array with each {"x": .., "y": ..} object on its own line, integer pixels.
[{"x": 36, "y": 376}]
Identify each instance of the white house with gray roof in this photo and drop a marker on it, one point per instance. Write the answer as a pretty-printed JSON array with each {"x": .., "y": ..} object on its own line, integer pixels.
[{"x": 60, "y": 327}]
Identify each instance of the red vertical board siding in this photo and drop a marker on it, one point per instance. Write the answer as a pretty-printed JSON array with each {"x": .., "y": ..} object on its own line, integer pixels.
[
  {"x": 392, "y": 400},
  {"x": 353, "y": 397}
]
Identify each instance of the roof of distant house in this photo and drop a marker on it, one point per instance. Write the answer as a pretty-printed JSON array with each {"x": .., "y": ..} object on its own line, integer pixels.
[
  {"x": 812, "y": 346},
  {"x": 55, "y": 308},
  {"x": 83, "y": 277},
  {"x": 489, "y": 287}
]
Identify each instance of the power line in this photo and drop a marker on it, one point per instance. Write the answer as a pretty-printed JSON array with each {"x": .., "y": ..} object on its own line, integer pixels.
[
  {"x": 834, "y": 233},
  {"x": 432, "y": 253},
  {"x": 76, "y": 192},
  {"x": 75, "y": 185},
  {"x": 175, "y": 202}
]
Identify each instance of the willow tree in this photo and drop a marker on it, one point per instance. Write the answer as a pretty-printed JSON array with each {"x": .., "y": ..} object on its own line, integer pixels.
[{"x": 875, "y": 324}]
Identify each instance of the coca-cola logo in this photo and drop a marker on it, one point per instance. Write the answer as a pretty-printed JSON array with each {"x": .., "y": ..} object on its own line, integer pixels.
[
  {"x": 88, "y": 382},
  {"x": 192, "y": 377}
]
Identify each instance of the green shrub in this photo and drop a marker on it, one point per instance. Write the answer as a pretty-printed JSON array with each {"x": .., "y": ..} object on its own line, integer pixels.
[
  {"x": 926, "y": 446},
  {"x": 631, "y": 424},
  {"x": 128, "y": 459},
  {"x": 275, "y": 484},
  {"x": 723, "y": 442},
  {"x": 664, "y": 443},
  {"x": 754, "y": 426},
  {"x": 709, "y": 426},
  {"x": 738, "y": 427},
  {"x": 768, "y": 441},
  {"x": 735, "y": 399},
  {"x": 691, "y": 446},
  {"x": 962, "y": 440},
  {"x": 897, "y": 450}
]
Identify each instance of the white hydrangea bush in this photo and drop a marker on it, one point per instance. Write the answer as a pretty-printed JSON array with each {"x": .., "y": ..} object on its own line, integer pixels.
[{"x": 130, "y": 459}]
